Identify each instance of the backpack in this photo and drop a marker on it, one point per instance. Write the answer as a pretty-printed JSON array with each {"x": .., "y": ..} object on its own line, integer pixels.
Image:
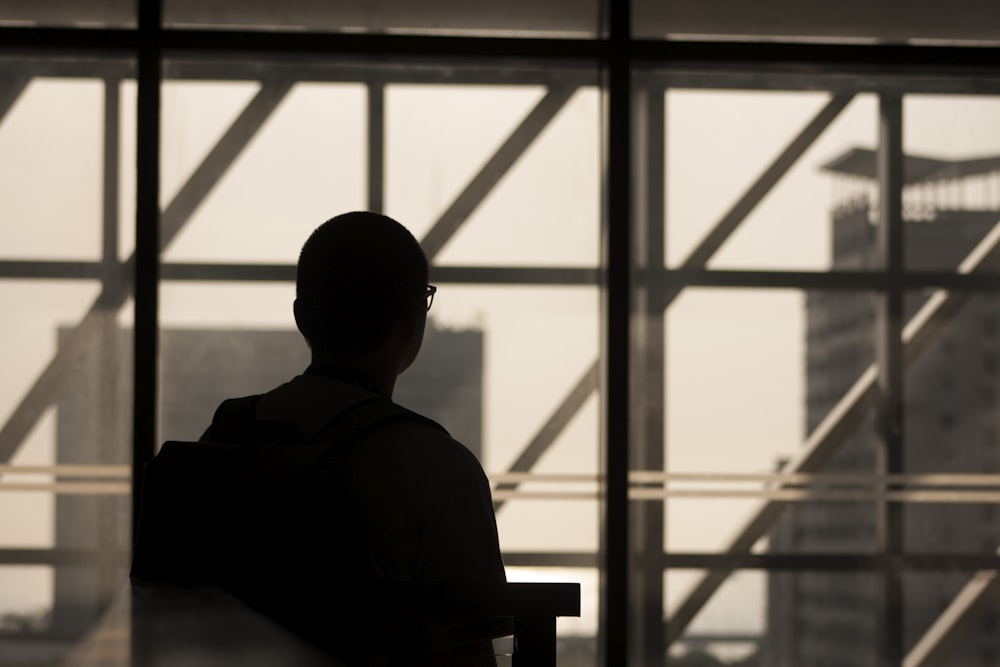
[{"x": 261, "y": 512}]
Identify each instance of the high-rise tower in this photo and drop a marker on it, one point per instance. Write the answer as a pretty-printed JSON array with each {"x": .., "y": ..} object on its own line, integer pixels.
[{"x": 951, "y": 422}]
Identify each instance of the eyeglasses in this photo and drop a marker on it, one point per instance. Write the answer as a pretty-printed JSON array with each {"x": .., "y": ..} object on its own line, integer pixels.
[{"x": 431, "y": 290}]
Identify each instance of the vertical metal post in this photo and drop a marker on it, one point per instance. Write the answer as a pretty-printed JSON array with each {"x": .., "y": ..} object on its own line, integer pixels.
[
  {"x": 147, "y": 245},
  {"x": 617, "y": 313},
  {"x": 376, "y": 146},
  {"x": 889, "y": 355},
  {"x": 112, "y": 130},
  {"x": 111, "y": 446},
  {"x": 647, "y": 519}
]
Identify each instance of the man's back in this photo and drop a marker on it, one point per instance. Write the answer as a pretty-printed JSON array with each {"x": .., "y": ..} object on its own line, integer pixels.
[{"x": 308, "y": 531}]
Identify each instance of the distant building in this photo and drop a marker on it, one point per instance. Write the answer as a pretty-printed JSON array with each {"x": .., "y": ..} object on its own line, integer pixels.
[
  {"x": 200, "y": 368},
  {"x": 951, "y": 423}
]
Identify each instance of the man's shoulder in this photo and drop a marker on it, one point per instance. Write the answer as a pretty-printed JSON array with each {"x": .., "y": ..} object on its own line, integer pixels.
[
  {"x": 321, "y": 409},
  {"x": 415, "y": 436}
]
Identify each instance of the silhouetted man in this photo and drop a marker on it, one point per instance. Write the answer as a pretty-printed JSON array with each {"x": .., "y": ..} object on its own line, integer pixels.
[{"x": 336, "y": 490}]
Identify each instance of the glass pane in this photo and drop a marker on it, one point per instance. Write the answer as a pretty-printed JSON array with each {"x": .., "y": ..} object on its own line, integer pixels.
[
  {"x": 54, "y": 126},
  {"x": 724, "y": 175},
  {"x": 932, "y": 602},
  {"x": 731, "y": 629},
  {"x": 847, "y": 21},
  {"x": 952, "y": 197},
  {"x": 65, "y": 398},
  {"x": 735, "y": 454},
  {"x": 277, "y": 181},
  {"x": 447, "y": 143},
  {"x": 813, "y": 615},
  {"x": 103, "y": 14},
  {"x": 950, "y": 425},
  {"x": 808, "y": 616},
  {"x": 551, "y": 18},
  {"x": 742, "y": 353}
]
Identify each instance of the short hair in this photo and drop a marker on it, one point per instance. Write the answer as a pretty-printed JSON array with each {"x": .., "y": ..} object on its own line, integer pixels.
[{"x": 359, "y": 274}]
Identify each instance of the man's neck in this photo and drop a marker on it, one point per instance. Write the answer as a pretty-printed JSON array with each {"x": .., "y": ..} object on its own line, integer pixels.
[{"x": 370, "y": 366}]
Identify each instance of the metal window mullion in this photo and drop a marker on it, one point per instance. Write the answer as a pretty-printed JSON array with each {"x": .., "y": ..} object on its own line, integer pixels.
[
  {"x": 613, "y": 622},
  {"x": 647, "y": 519},
  {"x": 889, "y": 358},
  {"x": 376, "y": 145},
  {"x": 147, "y": 245},
  {"x": 109, "y": 447},
  {"x": 112, "y": 131}
]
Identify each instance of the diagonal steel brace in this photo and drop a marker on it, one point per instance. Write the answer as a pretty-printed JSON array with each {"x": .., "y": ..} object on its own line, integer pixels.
[
  {"x": 114, "y": 293},
  {"x": 708, "y": 247},
  {"x": 922, "y": 329},
  {"x": 495, "y": 169}
]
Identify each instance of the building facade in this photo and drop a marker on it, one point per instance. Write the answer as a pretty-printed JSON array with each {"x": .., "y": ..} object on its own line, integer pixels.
[{"x": 951, "y": 417}]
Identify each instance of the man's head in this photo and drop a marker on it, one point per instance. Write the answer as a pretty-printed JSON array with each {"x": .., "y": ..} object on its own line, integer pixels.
[{"x": 361, "y": 283}]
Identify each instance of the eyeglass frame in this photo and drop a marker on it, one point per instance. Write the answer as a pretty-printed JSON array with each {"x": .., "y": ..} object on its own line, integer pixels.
[{"x": 429, "y": 295}]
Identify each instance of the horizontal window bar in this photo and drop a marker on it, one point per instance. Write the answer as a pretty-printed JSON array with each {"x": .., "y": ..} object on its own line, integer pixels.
[
  {"x": 784, "y": 495},
  {"x": 228, "y": 272},
  {"x": 308, "y": 71},
  {"x": 839, "y": 280},
  {"x": 549, "y": 559},
  {"x": 924, "y": 488},
  {"x": 505, "y": 275},
  {"x": 58, "y": 556},
  {"x": 516, "y": 494},
  {"x": 735, "y": 76},
  {"x": 833, "y": 561},
  {"x": 547, "y": 275},
  {"x": 305, "y": 43},
  {"x": 50, "y": 270},
  {"x": 967, "y": 480},
  {"x": 69, "y": 470},
  {"x": 675, "y": 560},
  {"x": 517, "y": 477},
  {"x": 70, "y": 488},
  {"x": 742, "y": 54},
  {"x": 822, "y": 495},
  {"x": 851, "y": 479}
]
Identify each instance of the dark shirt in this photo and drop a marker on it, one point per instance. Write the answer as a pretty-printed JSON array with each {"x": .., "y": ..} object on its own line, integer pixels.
[{"x": 424, "y": 503}]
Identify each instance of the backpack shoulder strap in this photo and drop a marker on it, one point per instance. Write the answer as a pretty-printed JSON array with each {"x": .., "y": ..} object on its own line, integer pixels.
[
  {"x": 364, "y": 416},
  {"x": 235, "y": 422}
]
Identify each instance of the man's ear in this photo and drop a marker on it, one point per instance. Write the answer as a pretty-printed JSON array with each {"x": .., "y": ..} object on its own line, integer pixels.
[
  {"x": 301, "y": 318},
  {"x": 405, "y": 326}
]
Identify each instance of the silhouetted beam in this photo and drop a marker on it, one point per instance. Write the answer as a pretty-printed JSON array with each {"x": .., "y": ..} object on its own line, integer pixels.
[
  {"x": 513, "y": 275},
  {"x": 222, "y": 157},
  {"x": 56, "y": 270},
  {"x": 821, "y": 444},
  {"x": 376, "y": 146},
  {"x": 979, "y": 593},
  {"x": 46, "y": 386},
  {"x": 553, "y": 426},
  {"x": 459, "y": 211},
  {"x": 11, "y": 88},
  {"x": 82, "y": 339},
  {"x": 936, "y": 646},
  {"x": 719, "y": 234},
  {"x": 495, "y": 169}
]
